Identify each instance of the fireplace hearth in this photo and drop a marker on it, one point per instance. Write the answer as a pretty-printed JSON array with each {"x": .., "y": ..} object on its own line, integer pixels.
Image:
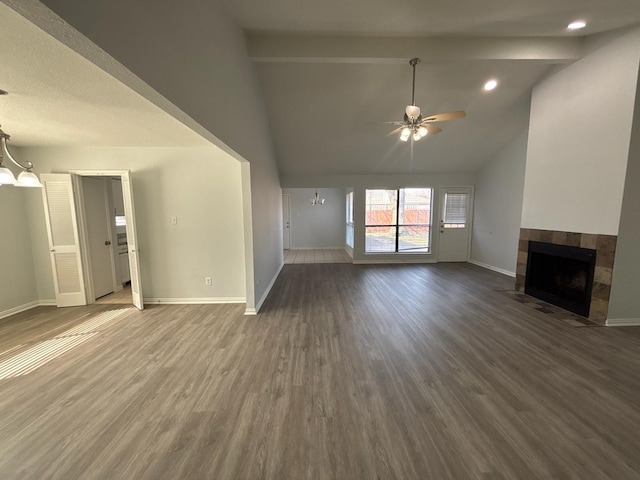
[{"x": 561, "y": 275}]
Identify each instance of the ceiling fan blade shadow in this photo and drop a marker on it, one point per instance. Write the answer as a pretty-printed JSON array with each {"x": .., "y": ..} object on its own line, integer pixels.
[{"x": 443, "y": 117}]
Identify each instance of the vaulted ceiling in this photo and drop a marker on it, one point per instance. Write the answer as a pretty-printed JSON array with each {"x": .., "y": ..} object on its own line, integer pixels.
[{"x": 332, "y": 71}]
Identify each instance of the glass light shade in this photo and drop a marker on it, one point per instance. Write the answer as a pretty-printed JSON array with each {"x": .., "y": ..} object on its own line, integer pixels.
[
  {"x": 416, "y": 136},
  {"x": 6, "y": 177},
  {"x": 412, "y": 111},
  {"x": 423, "y": 131},
  {"x": 404, "y": 138},
  {"x": 406, "y": 131},
  {"x": 28, "y": 179}
]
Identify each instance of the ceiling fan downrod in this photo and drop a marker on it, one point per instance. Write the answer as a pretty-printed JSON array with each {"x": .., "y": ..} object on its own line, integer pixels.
[{"x": 413, "y": 62}]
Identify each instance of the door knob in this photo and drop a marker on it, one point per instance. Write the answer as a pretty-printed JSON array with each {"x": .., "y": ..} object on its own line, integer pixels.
[{"x": 107, "y": 242}]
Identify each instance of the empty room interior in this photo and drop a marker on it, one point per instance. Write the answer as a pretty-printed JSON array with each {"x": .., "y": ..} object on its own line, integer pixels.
[{"x": 319, "y": 240}]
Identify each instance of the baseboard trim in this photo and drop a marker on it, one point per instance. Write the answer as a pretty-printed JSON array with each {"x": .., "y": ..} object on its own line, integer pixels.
[
  {"x": 316, "y": 248},
  {"x": 20, "y": 308},
  {"x": 28, "y": 306},
  {"x": 194, "y": 301},
  {"x": 392, "y": 262},
  {"x": 623, "y": 322},
  {"x": 254, "y": 311},
  {"x": 495, "y": 269}
]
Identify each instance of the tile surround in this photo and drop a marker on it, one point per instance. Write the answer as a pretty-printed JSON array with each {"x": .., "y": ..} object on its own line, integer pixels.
[{"x": 605, "y": 247}]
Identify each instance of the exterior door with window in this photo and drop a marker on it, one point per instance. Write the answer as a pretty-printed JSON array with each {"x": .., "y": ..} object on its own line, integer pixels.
[{"x": 455, "y": 225}]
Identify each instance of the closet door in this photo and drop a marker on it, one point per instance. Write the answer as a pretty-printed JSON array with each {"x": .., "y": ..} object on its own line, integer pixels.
[{"x": 64, "y": 243}]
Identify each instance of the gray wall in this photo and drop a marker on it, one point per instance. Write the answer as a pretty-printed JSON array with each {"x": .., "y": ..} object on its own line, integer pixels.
[
  {"x": 498, "y": 208},
  {"x": 205, "y": 196},
  {"x": 317, "y": 226},
  {"x": 18, "y": 286},
  {"x": 195, "y": 57},
  {"x": 625, "y": 288},
  {"x": 359, "y": 184}
]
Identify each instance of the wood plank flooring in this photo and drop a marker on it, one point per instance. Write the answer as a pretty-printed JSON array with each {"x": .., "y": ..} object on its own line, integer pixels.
[{"x": 348, "y": 372}]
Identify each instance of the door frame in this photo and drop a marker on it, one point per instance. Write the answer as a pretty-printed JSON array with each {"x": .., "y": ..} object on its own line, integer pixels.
[
  {"x": 441, "y": 204},
  {"x": 123, "y": 174},
  {"x": 84, "y": 236}
]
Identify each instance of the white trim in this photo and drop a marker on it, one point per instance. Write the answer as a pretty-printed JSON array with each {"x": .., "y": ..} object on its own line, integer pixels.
[
  {"x": 317, "y": 248},
  {"x": 623, "y": 322},
  {"x": 349, "y": 251},
  {"x": 495, "y": 269},
  {"x": 194, "y": 301},
  {"x": 399, "y": 261},
  {"x": 27, "y": 306},
  {"x": 254, "y": 311}
]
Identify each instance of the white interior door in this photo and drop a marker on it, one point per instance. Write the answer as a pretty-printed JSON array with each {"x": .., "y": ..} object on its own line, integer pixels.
[
  {"x": 64, "y": 243},
  {"x": 132, "y": 241},
  {"x": 286, "y": 222},
  {"x": 455, "y": 225},
  {"x": 96, "y": 209}
]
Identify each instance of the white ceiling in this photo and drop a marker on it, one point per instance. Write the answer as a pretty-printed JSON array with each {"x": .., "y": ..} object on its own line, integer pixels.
[{"x": 56, "y": 97}]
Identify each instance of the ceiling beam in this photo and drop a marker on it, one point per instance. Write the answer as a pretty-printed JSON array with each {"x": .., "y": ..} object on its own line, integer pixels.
[{"x": 300, "y": 48}]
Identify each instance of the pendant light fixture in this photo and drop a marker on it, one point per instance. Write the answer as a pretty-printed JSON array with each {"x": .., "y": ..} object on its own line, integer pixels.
[
  {"x": 316, "y": 200},
  {"x": 26, "y": 178}
]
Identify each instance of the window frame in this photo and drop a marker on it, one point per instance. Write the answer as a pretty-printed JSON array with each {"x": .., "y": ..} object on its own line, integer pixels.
[{"x": 398, "y": 225}]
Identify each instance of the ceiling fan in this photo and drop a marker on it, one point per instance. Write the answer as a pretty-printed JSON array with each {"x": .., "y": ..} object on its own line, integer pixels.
[{"x": 415, "y": 125}]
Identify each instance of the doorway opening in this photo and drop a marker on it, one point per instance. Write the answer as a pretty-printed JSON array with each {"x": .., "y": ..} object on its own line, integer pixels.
[{"x": 92, "y": 236}]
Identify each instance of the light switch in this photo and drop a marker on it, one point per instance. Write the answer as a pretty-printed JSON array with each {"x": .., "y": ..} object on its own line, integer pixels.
[{"x": 174, "y": 220}]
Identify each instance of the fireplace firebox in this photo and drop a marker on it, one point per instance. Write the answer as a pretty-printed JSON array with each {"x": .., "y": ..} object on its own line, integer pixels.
[{"x": 561, "y": 275}]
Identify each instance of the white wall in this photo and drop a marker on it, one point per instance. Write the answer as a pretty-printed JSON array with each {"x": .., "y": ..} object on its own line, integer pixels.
[
  {"x": 625, "y": 287},
  {"x": 320, "y": 226},
  {"x": 18, "y": 288},
  {"x": 200, "y": 186},
  {"x": 580, "y": 127},
  {"x": 195, "y": 57},
  {"x": 498, "y": 208}
]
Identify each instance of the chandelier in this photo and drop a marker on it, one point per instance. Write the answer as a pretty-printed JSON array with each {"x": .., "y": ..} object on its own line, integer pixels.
[
  {"x": 26, "y": 178},
  {"x": 316, "y": 200}
]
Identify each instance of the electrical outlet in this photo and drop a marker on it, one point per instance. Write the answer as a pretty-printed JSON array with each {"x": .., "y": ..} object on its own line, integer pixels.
[{"x": 208, "y": 281}]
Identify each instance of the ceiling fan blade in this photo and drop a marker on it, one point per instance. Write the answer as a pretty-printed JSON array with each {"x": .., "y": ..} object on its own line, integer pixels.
[
  {"x": 443, "y": 117},
  {"x": 432, "y": 129},
  {"x": 385, "y": 123}
]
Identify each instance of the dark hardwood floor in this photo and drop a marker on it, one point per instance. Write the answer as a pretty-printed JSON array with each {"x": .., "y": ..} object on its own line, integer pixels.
[{"x": 349, "y": 372}]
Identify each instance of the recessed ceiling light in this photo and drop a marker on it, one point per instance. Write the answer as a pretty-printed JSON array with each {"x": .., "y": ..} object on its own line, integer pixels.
[
  {"x": 490, "y": 85},
  {"x": 577, "y": 25}
]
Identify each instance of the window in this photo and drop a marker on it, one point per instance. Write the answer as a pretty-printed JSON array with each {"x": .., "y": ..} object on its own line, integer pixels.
[
  {"x": 349, "y": 217},
  {"x": 455, "y": 210},
  {"x": 398, "y": 221}
]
